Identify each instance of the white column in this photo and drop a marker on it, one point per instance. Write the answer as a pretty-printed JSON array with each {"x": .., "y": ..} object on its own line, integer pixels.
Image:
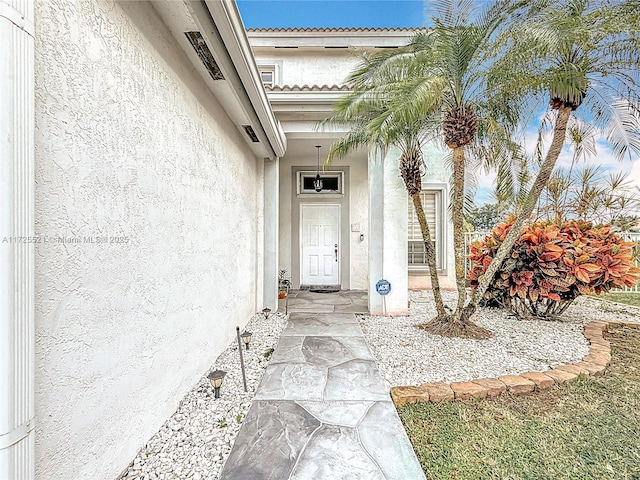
[
  {"x": 16, "y": 223},
  {"x": 271, "y": 222},
  {"x": 387, "y": 236}
]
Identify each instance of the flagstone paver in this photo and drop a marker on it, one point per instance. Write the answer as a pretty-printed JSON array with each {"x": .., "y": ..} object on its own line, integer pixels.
[{"x": 322, "y": 409}]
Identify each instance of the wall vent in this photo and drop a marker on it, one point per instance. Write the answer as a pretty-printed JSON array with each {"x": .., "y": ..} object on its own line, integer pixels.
[
  {"x": 251, "y": 133},
  {"x": 201, "y": 48}
]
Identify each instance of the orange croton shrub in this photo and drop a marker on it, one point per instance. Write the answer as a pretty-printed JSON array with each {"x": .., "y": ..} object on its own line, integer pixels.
[{"x": 550, "y": 266}]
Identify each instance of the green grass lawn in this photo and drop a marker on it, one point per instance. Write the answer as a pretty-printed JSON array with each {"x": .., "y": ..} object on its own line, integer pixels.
[
  {"x": 588, "y": 429},
  {"x": 621, "y": 297}
]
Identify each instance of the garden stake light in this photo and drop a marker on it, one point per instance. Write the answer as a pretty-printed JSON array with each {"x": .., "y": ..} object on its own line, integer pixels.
[
  {"x": 244, "y": 375},
  {"x": 266, "y": 312},
  {"x": 246, "y": 338},
  {"x": 215, "y": 378}
]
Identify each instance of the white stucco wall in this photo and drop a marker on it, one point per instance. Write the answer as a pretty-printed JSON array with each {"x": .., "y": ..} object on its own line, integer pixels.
[
  {"x": 284, "y": 219},
  {"x": 129, "y": 144},
  {"x": 316, "y": 66},
  {"x": 359, "y": 214}
]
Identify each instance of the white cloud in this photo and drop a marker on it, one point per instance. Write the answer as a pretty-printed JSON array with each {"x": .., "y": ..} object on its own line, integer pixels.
[
  {"x": 603, "y": 158},
  {"x": 634, "y": 174}
]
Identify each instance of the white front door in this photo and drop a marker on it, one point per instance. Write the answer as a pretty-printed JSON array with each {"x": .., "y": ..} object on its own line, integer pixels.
[{"x": 320, "y": 250}]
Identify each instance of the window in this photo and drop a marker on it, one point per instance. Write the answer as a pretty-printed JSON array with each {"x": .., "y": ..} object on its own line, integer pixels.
[
  {"x": 431, "y": 202},
  {"x": 267, "y": 77},
  {"x": 270, "y": 73},
  {"x": 332, "y": 182}
]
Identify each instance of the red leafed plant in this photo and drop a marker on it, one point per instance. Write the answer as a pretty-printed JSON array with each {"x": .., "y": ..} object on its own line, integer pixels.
[{"x": 550, "y": 266}]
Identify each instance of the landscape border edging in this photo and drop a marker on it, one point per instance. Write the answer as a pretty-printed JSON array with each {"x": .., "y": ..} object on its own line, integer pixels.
[{"x": 593, "y": 363}]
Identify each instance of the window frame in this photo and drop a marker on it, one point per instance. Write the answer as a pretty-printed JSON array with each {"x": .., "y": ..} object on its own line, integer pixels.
[
  {"x": 440, "y": 236},
  {"x": 270, "y": 66},
  {"x": 302, "y": 174}
]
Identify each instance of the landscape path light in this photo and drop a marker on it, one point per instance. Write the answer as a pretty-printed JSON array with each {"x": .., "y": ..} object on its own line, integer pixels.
[
  {"x": 246, "y": 338},
  {"x": 266, "y": 312},
  {"x": 215, "y": 378}
]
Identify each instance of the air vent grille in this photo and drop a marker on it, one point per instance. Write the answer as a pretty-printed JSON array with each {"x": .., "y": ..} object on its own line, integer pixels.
[
  {"x": 201, "y": 48},
  {"x": 251, "y": 133}
]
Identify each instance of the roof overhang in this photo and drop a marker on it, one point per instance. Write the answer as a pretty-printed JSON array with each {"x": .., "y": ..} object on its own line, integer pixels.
[
  {"x": 240, "y": 92},
  {"x": 331, "y": 38},
  {"x": 304, "y": 104}
]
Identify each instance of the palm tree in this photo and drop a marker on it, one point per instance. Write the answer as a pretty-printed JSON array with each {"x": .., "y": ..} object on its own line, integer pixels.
[
  {"x": 582, "y": 55},
  {"x": 447, "y": 75},
  {"x": 436, "y": 86},
  {"x": 364, "y": 111}
]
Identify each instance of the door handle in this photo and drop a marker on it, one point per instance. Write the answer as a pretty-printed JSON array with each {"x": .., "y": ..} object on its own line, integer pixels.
[{"x": 336, "y": 251}]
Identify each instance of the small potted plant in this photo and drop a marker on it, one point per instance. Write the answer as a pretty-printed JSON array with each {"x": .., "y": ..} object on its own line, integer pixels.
[{"x": 283, "y": 283}]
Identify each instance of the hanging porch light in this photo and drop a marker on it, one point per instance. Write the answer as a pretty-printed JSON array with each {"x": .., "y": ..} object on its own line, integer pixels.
[{"x": 317, "y": 183}]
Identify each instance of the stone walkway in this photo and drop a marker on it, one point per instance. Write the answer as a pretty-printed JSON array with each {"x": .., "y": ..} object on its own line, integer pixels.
[{"x": 322, "y": 410}]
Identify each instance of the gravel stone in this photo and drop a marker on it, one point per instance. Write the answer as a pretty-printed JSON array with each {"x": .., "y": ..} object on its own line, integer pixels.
[
  {"x": 407, "y": 355},
  {"x": 195, "y": 442}
]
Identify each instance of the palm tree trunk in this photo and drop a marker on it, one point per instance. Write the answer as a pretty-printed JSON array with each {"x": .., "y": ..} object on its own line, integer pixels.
[
  {"x": 559, "y": 135},
  {"x": 458, "y": 229},
  {"x": 431, "y": 254}
]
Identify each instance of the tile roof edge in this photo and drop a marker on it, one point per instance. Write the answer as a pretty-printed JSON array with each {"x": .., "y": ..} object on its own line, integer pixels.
[{"x": 333, "y": 29}]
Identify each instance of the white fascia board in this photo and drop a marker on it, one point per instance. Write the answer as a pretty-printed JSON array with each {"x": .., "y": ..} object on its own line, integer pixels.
[
  {"x": 305, "y": 98},
  {"x": 241, "y": 71},
  {"x": 381, "y": 39},
  {"x": 301, "y": 129}
]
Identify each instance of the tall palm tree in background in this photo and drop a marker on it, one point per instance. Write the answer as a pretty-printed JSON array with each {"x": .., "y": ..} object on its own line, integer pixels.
[
  {"x": 583, "y": 57},
  {"x": 365, "y": 111}
]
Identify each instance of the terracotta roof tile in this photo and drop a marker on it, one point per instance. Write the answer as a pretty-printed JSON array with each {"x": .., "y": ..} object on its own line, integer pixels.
[{"x": 308, "y": 88}]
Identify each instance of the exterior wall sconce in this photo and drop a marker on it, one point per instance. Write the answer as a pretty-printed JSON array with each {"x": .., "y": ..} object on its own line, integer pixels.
[
  {"x": 215, "y": 378},
  {"x": 246, "y": 338},
  {"x": 266, "y": 312},
  {"x": 317, "y": 183}
]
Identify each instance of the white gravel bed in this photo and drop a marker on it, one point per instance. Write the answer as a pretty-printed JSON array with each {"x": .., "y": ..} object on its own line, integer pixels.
[
  {"x": 195, "y": 442},
  {"x": 407, "y": 355}
]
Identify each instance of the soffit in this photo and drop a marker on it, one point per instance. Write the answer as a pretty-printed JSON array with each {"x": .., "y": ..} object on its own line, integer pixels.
[{"x": 233, "y": 92}]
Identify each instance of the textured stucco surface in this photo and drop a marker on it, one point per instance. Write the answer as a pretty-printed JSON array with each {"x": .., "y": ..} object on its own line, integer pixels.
[
  {"x": 130, "y": 144},
  {"x": 388, "y": 224},
  {"x": 312, "y": 67},
  {"x": 359, "y": 215}
]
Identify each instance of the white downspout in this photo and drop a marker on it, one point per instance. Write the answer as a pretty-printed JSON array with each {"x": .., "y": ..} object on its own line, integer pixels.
[{"x": 17, "y": 180}]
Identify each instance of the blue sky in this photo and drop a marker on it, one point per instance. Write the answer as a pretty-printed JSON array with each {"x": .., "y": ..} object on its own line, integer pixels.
[
  {"x": 331, "y": 13},
  {"x": 390, "y": 13}
]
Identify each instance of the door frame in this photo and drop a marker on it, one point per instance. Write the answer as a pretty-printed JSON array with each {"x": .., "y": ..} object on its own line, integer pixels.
[
  {"x": 341, "y": 199},
  {"x": 301, "y": 236}
]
